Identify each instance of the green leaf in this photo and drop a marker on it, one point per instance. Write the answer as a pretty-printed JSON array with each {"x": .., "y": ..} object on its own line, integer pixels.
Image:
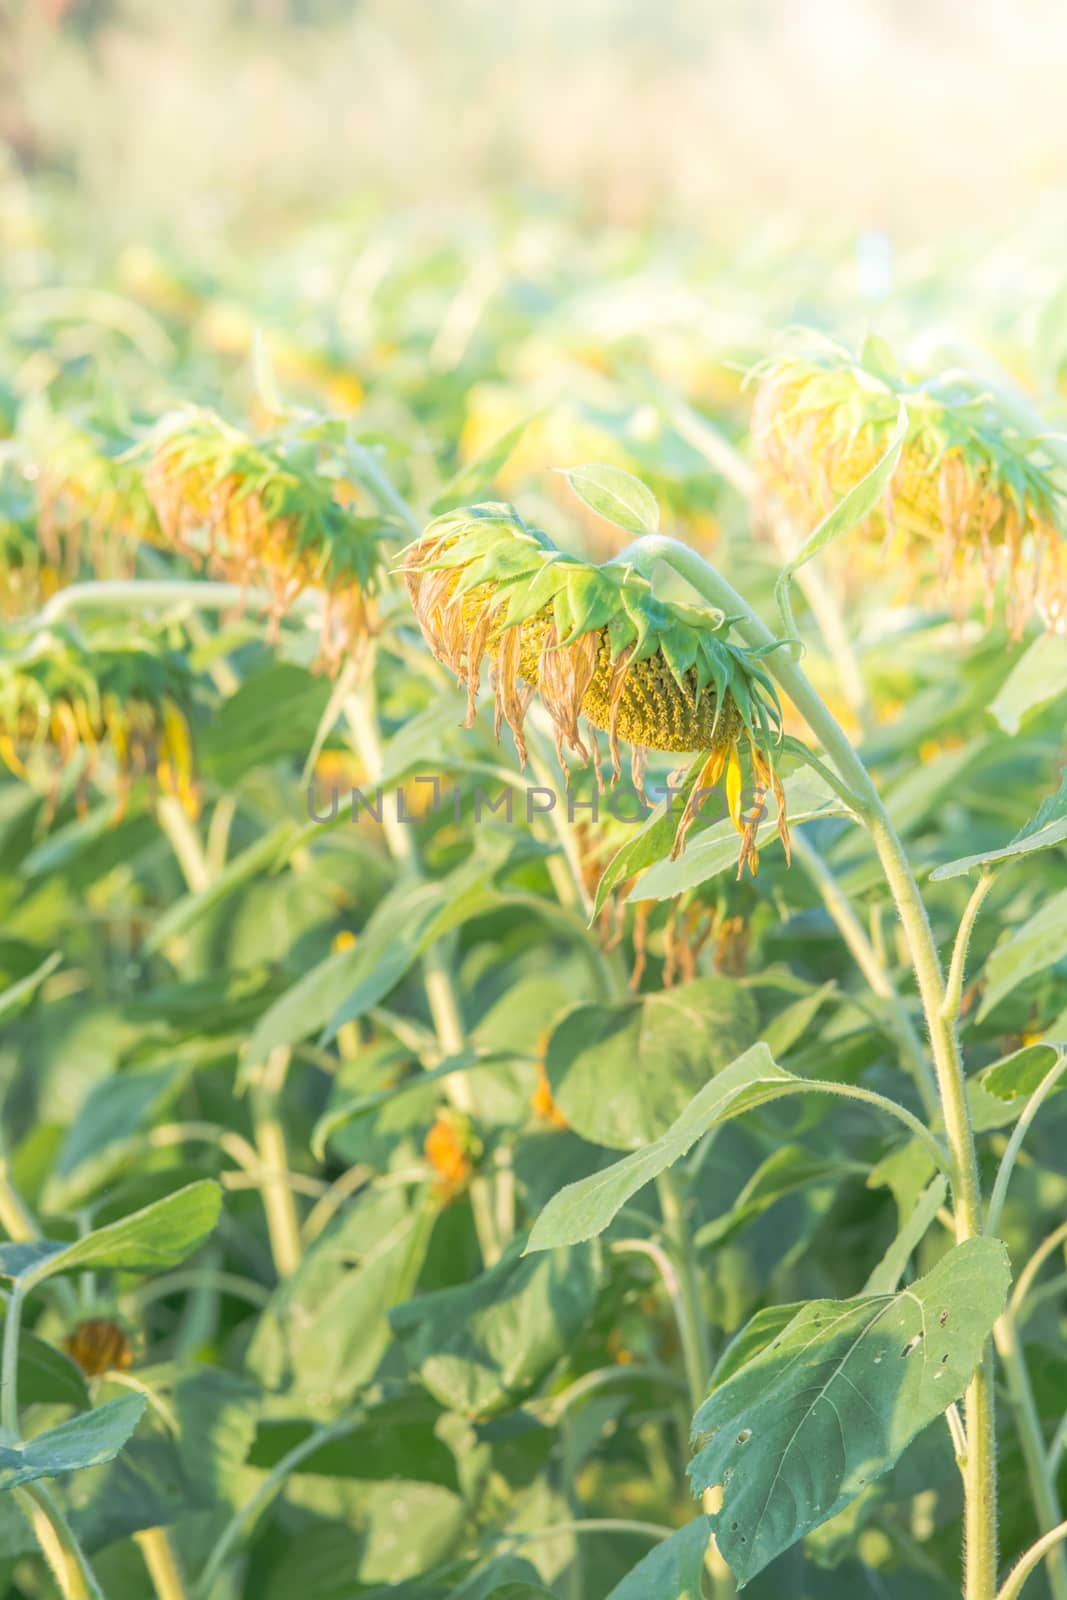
[
  {"x": 786, "y": 1170},
  {"x": 46, "y": 1375},
  {"x": 474, "y": 477},
  {"x": 889, "y": 1271},
  {"x": 271, "y": 850},
  {"x": 670, "y": 1042},
  {"x": 1048, "y": 828},
  {"x": 151, "y": 1240},
  {"x": 113, "y": 1113},
  {"x": 1038, "y": 678},
  {"x": 339, "y": 1116},
  {"x": 714, "y": 850},
  {"x": 1019, "y": 1073},
  {"x": 615, "y": 495},
  {"x": 851, "y": 509},
  {"x": 324, "y": 1331},
  {"x": 650, "y": 843},
  {"x": 85, "y": 1441},
  {"x": 796, "y": 1432},
  {"x": 346, "y": 984},
  {"x": 672, "y": 1570},
  {"x": 521, "y": 1591},
  {"x": 17, "y": 996},
  {"x": 484, "y": 1346},
  {"x": 584, "y": 1209},
  {"x": 1036, "y": 945}
]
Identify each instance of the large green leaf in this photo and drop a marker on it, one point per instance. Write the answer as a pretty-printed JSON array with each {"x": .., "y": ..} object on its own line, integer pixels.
[
  {"x": 1048, "y": 828},
  {"x": 584, "y": 1209},
  {"x": 1036, "y": 945},
  {"x": 85, "y": 1441},
  {"x": 151, "y": 1240},
  {"x": 485, "y": 1345},
  {"x": 621, "y": 1072},
  {"x": 798, "y": 1430},
  {"x": 672, "y": 1570}
]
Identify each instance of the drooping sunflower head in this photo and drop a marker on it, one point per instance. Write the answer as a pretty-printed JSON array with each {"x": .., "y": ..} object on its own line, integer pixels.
[
  {"x": 595, "y": 643},
  {"x": 976, "y": 498},
  {"x": 90, "y": 501},
  {"x": 261, "y": 511},
  {"x": 129, "y": 703}
]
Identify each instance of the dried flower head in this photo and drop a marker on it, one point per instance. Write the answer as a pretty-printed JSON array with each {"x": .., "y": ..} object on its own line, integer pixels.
[
  {"x": 129, "y": 703},
  {"x": 99, "y": 1345},
  {"x": 90, "y": 499},
  {"x": 595, "y": 643},
  {"x": 259, "y": 511},
  {"x": 974, "y": 500}
]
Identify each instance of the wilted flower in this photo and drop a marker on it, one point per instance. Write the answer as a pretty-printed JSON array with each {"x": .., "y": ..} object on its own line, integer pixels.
[
  {"x": 99, "y": 1345},
  {"x": 974, "y": 497},
  {"x": 261, "y": 512},
  {"x": 90, "y": 499},
  {"x": 595, "y": 642},
  {"x": 128, "y": 702}
]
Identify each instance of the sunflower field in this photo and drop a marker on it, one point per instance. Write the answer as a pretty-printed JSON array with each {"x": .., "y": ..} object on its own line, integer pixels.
[{"x": 533, "y": 823}]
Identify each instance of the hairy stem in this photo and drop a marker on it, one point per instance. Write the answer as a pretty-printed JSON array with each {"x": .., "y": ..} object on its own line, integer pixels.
[
  {"x": 58, "y": 1543},
  {"x": 438, "y": 983},
  {"x": 161, "y": 1560},
  {"x": 871, "y": 965},
  {"x": 980, "y": 1484}
]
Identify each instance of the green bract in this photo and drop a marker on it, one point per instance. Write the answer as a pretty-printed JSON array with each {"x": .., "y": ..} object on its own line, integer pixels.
[{"x": 594, "y": 641}]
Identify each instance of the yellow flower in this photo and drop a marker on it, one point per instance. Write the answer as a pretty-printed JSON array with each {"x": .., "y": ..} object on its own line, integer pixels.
[
  {"x": 594, "y": 642},
  {"x": 450, "y": 1148},
  {"x": 974, "y": 499}
]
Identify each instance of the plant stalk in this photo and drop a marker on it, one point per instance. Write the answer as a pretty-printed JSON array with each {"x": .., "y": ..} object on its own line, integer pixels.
[
  {"x": 58, "y": 1543},
  {"x": 980, "y": 1481},
  {"x": 161, "y": 1559}
]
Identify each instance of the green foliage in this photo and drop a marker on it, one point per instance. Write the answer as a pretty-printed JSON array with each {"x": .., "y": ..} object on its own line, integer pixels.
[{"x": 380, "y": 1196}]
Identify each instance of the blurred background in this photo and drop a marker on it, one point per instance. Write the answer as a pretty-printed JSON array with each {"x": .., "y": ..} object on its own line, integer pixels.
[{"x": 919, "y": 118}]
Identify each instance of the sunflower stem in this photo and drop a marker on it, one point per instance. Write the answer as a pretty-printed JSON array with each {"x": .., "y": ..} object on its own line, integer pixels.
[
  {"x": 58, "y": 1543},
  {"x": 980, "y": 1480},
  {"x": 438, "y": 984},
  {"x": 870, "y": 964}
]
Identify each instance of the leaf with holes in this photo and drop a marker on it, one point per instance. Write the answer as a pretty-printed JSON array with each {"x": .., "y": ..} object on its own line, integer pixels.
[{"x": 796, "y": 1431}]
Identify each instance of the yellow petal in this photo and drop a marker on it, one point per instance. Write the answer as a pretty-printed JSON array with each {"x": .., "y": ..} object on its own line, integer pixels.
[{"x": 733, "y": 789}]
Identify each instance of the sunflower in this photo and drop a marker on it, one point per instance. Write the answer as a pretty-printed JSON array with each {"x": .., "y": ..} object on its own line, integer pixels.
[
  {"x": 99, "y": 1345},
  {"x": 130, "y": 703},
  {"x": 90, "y": 499},
  {"x": 451, "y": 1148},
  {"x": 595, "y": 642},
  {"x": 259, "y": 511},
  {"x": 975, "y": 498}
]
